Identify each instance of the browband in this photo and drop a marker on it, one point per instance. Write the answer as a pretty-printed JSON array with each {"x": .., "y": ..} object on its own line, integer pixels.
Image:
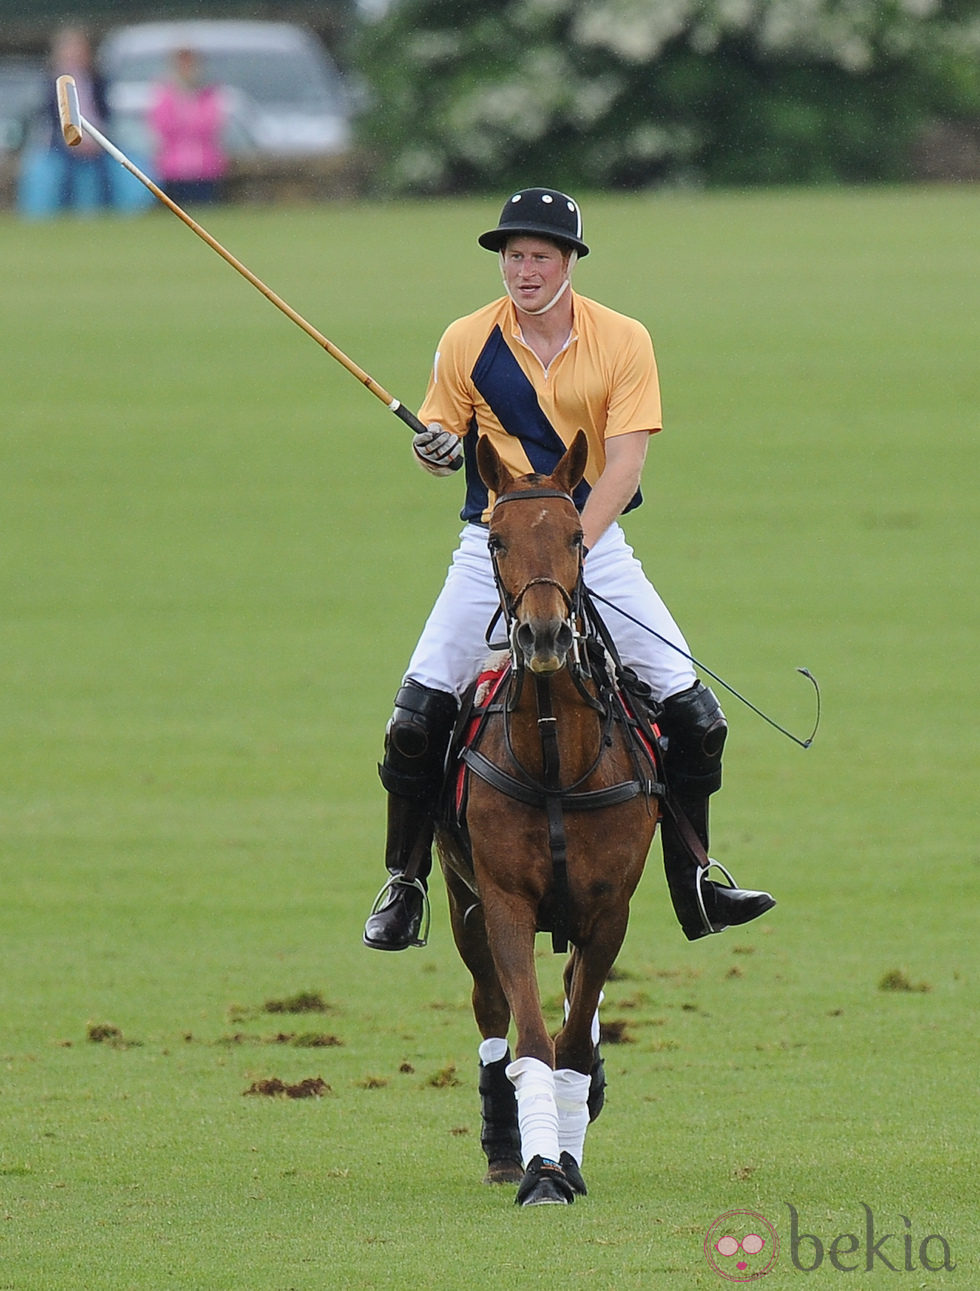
[{"x": 530, "y": 494}]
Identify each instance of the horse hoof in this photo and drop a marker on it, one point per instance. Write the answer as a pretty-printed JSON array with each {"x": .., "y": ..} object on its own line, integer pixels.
[
  {"x": 547, "y": 1193},
  {"x": 544, "y": 1184},
  {"x": 504, "y": 1171}
]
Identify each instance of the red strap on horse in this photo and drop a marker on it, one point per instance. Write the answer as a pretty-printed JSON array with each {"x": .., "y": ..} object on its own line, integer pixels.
[{"x": 487, "y": 685}]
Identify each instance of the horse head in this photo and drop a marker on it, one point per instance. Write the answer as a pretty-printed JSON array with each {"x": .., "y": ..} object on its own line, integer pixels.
[{"x": 537, "y": 552}]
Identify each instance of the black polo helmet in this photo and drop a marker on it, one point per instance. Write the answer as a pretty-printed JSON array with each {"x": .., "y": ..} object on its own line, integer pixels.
[{"x": 538, "y": 213}]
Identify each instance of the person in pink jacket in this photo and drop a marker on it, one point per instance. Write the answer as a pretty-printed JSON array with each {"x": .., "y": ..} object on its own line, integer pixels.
[{"x": 187, "y": 118}]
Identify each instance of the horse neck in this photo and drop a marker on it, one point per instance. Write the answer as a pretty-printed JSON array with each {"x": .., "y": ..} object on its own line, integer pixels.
[{"x": 578, "y": 726}]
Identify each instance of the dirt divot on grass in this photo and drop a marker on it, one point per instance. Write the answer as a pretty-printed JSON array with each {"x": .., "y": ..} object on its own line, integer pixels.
[
  {"x": 615, "y": 1031},
  {"x": 109, "y": 1035},
  {"x": 304, "y": 1002},
  {"x": 298, "y": 1040},
  {"x": 307, "y": 1040},
  {"x": 897, "y": 980},
  {"x": 445, "y": 1078},
  {"x": 273, "y": 1087},
  {"x": 301, "y": 1002}
]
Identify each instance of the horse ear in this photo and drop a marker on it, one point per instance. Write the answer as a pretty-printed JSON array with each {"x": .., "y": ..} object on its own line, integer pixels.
[
  {"x": 569, "y": 471},
  {"x": 493, "y": 472}
]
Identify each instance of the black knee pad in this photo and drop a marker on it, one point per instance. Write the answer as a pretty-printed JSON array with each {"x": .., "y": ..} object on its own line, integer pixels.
[
  {"x": 695, "y": 730},
  {"x": 416, "y": 741}
]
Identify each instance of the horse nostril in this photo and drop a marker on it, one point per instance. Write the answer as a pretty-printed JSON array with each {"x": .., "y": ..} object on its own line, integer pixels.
[{"x": 525, "y": 638}]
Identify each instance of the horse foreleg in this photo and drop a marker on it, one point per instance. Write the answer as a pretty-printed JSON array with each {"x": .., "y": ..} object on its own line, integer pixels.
[
  {"x": 585, "y": 976},
  {"x": 490, "y": 1007},
  {"x": 545, "y": 1181},
  {"x": 579, "y": 1078},
  {"x": 511, "y": 929},
  {"x": 597, "y": 1072},
  {"x": 500, "y": 1136}
]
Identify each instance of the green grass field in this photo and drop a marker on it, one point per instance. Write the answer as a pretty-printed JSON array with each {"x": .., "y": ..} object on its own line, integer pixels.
[{"x": 215, "y": 556}]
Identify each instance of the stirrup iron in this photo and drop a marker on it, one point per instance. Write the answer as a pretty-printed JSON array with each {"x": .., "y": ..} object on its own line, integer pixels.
[
  {"x": 399, "y": 881},
  {"x": 709, "y": 927}
]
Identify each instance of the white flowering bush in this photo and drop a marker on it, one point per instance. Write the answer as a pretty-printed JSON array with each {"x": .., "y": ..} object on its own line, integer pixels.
[{"x": 480, "y": 94}]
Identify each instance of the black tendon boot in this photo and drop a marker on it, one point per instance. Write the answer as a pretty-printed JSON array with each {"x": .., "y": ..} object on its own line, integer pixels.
[
  {"x": 695, "y": 729},
  {"x": 500, "y": 1136},
  {"x": 415, "y": 752}
]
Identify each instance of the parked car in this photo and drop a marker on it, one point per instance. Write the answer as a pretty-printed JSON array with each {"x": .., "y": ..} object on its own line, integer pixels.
[{"x": 284, "y": 95}]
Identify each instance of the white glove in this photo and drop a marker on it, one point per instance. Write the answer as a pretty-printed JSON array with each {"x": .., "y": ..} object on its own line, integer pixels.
[{"x": 438, "y": 450}]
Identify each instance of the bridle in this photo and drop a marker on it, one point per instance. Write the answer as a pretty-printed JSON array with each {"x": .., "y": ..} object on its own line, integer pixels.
[
  {"x": 509, "y": 604},
  {"x": 550, "y": 792}
]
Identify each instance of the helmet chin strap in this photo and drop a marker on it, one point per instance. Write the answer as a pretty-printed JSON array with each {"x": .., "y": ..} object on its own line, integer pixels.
[{"x": 572, "y": 257}]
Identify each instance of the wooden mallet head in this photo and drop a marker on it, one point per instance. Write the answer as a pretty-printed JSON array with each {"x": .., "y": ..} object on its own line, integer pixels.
[{"x": 68, "y": 111}]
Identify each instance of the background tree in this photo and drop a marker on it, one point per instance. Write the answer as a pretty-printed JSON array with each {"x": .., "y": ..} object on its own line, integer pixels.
[{"x": 620, "y": 93}]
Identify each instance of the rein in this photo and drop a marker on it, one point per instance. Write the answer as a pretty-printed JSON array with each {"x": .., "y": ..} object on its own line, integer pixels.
[{"x": 585, "y": 664}]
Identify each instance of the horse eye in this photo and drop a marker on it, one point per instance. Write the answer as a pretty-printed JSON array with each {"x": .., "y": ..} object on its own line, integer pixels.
[{"x": 495, "y": 543}]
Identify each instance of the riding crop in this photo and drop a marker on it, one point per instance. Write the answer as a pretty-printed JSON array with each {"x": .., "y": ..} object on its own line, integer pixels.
[
  {"x": 805, "y": 672},
  {"x": 74, "y": 127}
]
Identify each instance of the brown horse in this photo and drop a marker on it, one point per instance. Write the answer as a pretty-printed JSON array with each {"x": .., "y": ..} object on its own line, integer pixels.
[{"x": 560, "y": 794}]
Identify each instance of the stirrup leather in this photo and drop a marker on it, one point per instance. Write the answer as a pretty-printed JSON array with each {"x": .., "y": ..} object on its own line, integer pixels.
[
  {"x": 709, "y": 927},
  {"x": 399, "y": 881}
]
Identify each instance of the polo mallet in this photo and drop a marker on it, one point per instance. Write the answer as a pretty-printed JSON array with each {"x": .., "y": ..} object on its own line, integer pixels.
[{"x": 74, "y": 127}]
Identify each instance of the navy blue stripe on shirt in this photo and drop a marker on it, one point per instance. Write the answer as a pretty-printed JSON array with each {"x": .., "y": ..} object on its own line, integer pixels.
[
  {"x": 476, "y": 491},
  {"x": 512, "y": 399}
]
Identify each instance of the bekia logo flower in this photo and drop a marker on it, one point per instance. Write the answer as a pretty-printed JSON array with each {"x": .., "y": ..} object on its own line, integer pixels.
[{"x": 741, "y": 1245}]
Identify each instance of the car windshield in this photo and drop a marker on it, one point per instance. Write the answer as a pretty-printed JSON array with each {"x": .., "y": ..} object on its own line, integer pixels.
[{"x": 293, "y": 78}]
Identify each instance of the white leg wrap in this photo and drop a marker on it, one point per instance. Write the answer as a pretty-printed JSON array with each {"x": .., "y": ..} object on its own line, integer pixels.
[
  {"x": 572, "y": 1099},
  {"x": 537, "y": 1112},
  {"x": 492, "y": 1051}
]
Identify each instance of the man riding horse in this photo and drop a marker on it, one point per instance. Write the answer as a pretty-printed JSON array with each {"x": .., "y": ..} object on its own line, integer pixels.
[{"x": 530, "y": 370}]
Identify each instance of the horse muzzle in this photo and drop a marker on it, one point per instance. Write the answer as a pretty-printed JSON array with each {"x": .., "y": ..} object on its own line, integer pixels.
[{"x": 543, "y": 645}]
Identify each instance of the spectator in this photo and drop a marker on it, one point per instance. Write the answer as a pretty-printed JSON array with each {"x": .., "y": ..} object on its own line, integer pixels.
[
  {"x": 187, "y": 118},
  {"x": 54, "y": 177}
]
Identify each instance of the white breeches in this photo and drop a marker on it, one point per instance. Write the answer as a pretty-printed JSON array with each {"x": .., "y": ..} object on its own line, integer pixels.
[{"x": 453, "y": 648}]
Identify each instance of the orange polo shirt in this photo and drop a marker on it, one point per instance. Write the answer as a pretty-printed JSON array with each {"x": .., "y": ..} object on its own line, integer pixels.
[{"x": 486, "y": 379}]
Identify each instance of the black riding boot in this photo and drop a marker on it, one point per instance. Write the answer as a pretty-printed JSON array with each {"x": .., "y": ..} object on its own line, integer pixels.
[
  {"x": 415, "y": 752},
  {"x": 695, "y": 730}
]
